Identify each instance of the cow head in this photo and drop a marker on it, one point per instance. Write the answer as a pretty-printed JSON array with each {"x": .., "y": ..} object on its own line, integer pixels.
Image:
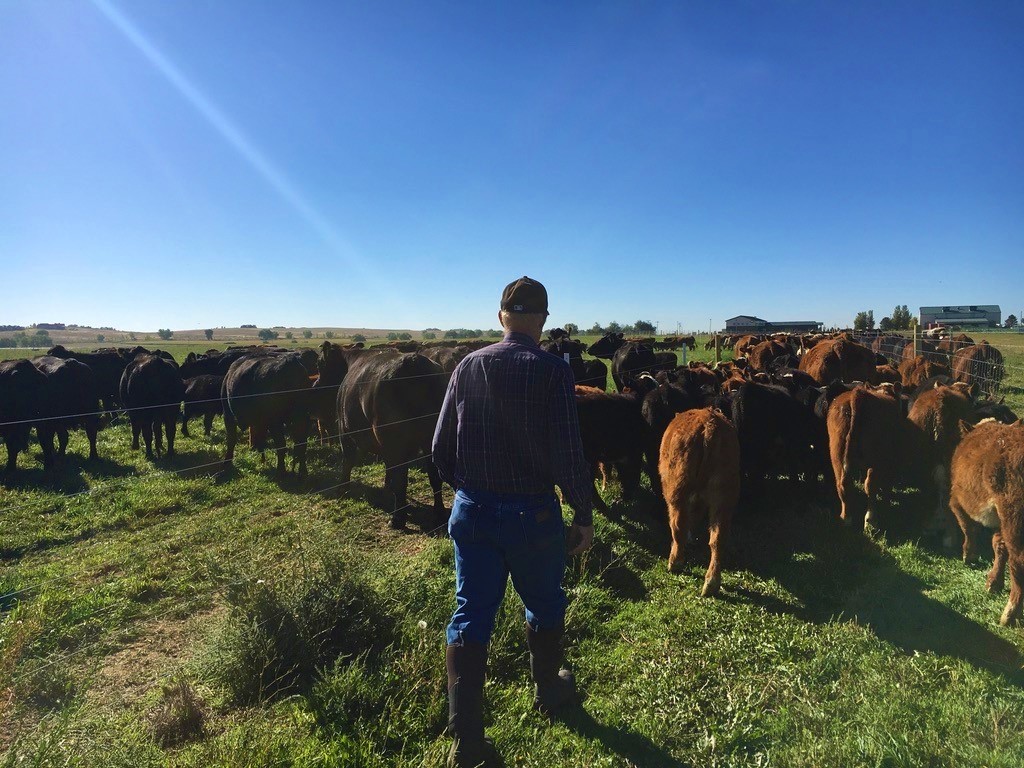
[{"x": 606, "y": 346}]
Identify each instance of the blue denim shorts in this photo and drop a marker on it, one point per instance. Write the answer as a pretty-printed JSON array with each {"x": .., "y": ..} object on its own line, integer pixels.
[{"x": 499, "y": 535}]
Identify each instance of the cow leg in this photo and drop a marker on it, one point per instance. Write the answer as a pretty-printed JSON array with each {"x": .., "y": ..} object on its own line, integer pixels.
[
  {"x": 45, "y": 435},
  {"x": 396, "y": 479},
  {"x": 599, "y": 501},
  {"x": 158, "y": 434},
  {"x": 147, "y": 437},
  {"x": 170, "y": 423},
  {"x": 207, "y": 424},
  {"x": 1011, "y": 614},
  {"x": 184, "y": 424},
  {"x": 92, "y": 426},
  {"x": 348, "y": 461},
  {"x": 994, "y": 582},
  {"x": 629, "y": 477},
  {"x": 679, "y": 527},
  {"x": 719, "y": 518},
  {"x": 276, "y": 431},
  {"x": 300, "y": 440},
  {"x": 440, "y": 511},
  {"x": 136, "y": 428},
  {"x": 871, "y": 487},
  {"x": 967, "y": 527},
  {"x": 62, "y": 441}
]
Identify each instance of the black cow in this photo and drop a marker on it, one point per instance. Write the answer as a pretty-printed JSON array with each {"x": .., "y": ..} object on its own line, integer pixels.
[
  {"x": 659, "y": 407},
  {"x": 387, "y": 406},
  {"x": 587, "y": 373},
  {"x": 202, "y": 398},
  {"x": 213, "y": 363},
  {"x": 23, "y": 399},
  {"x": 612, "y": 431},
  {"x": 628, "y": 358},
  {"x": 72, "y": 399},
  {"x": 270, "y": 394},
  {"x": 152, "y": 391},
  {"x": 107, "y": 366},
  {"x": 778, "y": 433}
]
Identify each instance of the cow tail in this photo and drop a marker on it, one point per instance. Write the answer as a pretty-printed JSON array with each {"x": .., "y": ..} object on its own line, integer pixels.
[{"x": 849, "y": 436}]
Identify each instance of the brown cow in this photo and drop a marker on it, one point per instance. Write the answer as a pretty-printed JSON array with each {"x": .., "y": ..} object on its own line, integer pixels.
[
  {"x": 937, "y": 412},
  {"x": 917, "y": 370},
  {"x": 980, "y": 364},
  {"x": 887, "y": 374},
  {"x": 870, "y": 439},
  {"x": 700, "y": 475},
  {"x": 762, "y": 354},
  {"x": 743, "y": 345},
  {"x": 988, "y": 489},
  {"x": 840, "y": 359}
]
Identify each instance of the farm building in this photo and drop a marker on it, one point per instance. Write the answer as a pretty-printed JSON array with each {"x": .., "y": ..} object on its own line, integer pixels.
[
  {"x": 973, "y": 315},
  {"x": 753, "y": 324}
]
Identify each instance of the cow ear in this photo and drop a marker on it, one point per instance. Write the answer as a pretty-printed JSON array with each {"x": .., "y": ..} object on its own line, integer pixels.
[{"x": 965, "y": 427}]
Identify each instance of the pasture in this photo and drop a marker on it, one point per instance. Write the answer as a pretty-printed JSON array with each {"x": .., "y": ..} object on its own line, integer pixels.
[{"x": 153, "y": 613}]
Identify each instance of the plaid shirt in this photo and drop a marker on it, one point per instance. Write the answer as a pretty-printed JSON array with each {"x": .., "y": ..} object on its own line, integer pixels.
[{"x": 509, "y": 425}]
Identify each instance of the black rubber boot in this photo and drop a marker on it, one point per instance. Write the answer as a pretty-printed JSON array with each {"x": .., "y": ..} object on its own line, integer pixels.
[
  {"x": 467, "y": 664},
  {"x": 555, "y": 686}
]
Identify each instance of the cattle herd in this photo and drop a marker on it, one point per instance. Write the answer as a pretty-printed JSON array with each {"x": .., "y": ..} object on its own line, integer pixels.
[{"x": 840, "y": 417}]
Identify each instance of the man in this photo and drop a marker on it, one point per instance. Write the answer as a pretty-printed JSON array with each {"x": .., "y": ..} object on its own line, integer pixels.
[{"x": 507, "y": 434}]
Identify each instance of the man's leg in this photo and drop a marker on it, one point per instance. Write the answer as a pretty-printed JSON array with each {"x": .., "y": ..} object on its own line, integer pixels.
[
  {"x": 480, "y": 578},
  {"x": 537, "y": 572}
]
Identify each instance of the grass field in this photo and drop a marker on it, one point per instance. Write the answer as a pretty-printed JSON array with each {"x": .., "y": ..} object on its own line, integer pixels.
[{"x": 165, "y": 616}]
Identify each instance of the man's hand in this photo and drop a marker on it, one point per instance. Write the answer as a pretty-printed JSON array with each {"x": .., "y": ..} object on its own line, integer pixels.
[{"x": 581, "y": 538}]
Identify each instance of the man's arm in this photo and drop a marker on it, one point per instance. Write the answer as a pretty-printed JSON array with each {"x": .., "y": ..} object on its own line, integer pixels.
[
  {"x": 570, "y": 469},
  {"x": 445, "y": 434}
]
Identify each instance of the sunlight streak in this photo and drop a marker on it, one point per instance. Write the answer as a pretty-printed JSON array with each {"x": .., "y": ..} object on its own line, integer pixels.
[{"x": 230, "y": 133}]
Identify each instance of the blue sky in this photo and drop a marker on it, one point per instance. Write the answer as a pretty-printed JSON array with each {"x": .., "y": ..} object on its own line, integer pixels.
[{"x": 192, "y": 164}]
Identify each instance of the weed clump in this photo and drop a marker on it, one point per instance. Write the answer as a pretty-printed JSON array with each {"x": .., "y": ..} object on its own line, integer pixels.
[
  {"x": 277, "y": 636},
  {"x": 180, "y": 717}
]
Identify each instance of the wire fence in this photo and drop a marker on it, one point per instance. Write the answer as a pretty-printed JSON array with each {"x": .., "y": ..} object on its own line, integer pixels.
[{"x": 176, "y": 605}]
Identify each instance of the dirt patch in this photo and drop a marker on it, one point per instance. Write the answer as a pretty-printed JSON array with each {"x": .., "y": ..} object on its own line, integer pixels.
[{"x": 160, "y": 649}]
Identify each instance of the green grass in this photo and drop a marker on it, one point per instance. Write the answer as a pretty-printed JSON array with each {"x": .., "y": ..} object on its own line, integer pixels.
[{"x": 299, "y": 630}]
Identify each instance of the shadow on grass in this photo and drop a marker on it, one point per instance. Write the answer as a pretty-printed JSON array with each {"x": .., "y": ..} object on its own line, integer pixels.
[
  {"x": 631, "y": 747},
  {"x": 838, "y": 572}
]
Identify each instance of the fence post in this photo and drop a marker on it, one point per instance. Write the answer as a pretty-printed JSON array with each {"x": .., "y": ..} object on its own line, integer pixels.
[
  {"x": 718, "y": 350},
  {"x": 916, "y": 345},
  {"x": 684, "y": 355}
]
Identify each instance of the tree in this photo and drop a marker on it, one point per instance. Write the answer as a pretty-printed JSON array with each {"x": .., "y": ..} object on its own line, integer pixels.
[
  {"x": 865, "y": 321},
  {"x": 493, "y": 334},
  {"x": 266, "y": 334},
  {"x": 596, "y": 329},
  {"x": 645, "y": 327},
  {"x": 1011, "y": 321},
  {"x": 359, "y": 337},
  {"x": 900, "y": 320},
  {"x": 429, "y": 335},
  {"x": 165, "y": 333},
  {"x": 208, "y": 333},
  {"x": 613, "y": 327},
  {"x": 404, "y": 336},
  {"x": 100, "y": 338},
  {"x": 328, "y": 334},
  {"x": 885, "y": 324},
  {"x": 289, "y": 335},
  {"x": 392, "y": 336},
  {"x": 572, "y": 329},
  {"x": 452, "y": 334},
  {"x": 307, "y": 334}
]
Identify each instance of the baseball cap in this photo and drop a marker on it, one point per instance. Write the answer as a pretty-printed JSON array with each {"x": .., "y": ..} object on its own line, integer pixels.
[{"x": 525, "y": 295}]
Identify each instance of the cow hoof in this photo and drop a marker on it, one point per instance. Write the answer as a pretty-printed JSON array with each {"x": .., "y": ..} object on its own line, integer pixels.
[
  {"x": 711, "y": 587},
  {"x": 675, "y": 566},
  {"x": 1009, "y": 617},
  {"x": 994, "y": 587},
  {"x": 398, "y": 522}
]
